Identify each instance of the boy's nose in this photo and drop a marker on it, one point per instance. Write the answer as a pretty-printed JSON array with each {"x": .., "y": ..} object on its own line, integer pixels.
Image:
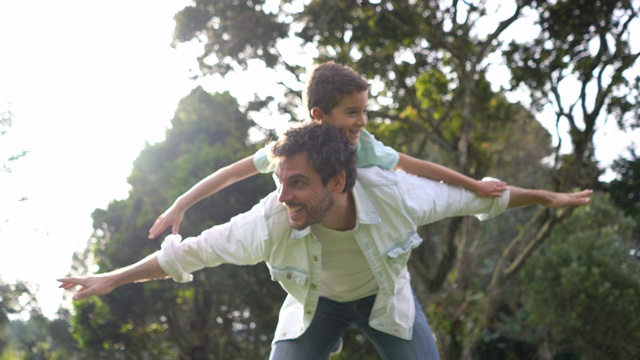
[{"x": 362, "y": 120}]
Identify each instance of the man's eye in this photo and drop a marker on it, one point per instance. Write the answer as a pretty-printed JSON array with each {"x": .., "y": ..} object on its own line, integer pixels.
[{"x": 296, "y": 183}]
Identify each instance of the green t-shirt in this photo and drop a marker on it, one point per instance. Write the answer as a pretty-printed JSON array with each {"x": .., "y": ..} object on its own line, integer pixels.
[{"x": 369, "y": 152}]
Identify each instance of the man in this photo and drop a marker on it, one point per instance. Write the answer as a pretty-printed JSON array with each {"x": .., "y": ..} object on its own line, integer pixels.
[{"x": 339, "y": 246}]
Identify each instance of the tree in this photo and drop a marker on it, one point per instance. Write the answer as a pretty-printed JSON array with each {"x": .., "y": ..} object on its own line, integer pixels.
[
  {"x": 586, "y": 44},
  {"x": 225, "y": 310},
  {"x": 428, "y": 61},
  {"x": 625, "y": 193},
  {"x": 41, "y": 338},
  {"x": 14, "y": 299},
  {"x": 584, "y": 287},
  {"x": 625, "y": 190}
]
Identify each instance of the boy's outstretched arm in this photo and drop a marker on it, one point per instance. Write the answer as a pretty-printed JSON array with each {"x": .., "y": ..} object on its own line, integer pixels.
[
  {"x": 430, "y": 170},
  {"x": 213, "y": 183},
  {"x": 100, "y": 284}
]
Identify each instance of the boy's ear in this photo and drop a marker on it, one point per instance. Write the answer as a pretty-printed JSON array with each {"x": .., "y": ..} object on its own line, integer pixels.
[{"x": 317, "y": 114}]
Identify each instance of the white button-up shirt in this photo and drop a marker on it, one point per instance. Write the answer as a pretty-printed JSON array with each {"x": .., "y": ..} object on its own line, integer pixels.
[{"x": 390, "y": 205}]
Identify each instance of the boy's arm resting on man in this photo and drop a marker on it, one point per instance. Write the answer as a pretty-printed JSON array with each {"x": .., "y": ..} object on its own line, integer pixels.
[
  {"x": 430, "y": 170},
  {"x": 524, "y": 197},
  {"x": 100, "y": 284},
  {"x": 208, "y": 186}
]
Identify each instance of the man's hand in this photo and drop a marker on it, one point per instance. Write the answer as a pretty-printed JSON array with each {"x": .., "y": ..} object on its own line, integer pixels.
[
  {"x": 90, "y": 286},
  {"x": 145, "y": 269},
  {"x": 560, "y": 200},
  {"x": 524, "y": 197}
]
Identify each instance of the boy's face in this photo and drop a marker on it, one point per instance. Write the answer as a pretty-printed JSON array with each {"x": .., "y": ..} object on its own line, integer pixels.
[{"x": 350, "y": 116}]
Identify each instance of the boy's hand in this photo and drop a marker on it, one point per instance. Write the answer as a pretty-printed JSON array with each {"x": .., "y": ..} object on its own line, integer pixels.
[
  {"x": 173, "y": 216},
  {"x": 491, "y": 188}
]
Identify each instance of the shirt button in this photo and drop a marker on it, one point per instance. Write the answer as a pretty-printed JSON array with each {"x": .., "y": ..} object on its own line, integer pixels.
[
  {"x": 315, "y": 258},
  {"x": 314, "y": 286},
  {"x": 308, "y": 312},
  {"x": 289, "y": 276}
]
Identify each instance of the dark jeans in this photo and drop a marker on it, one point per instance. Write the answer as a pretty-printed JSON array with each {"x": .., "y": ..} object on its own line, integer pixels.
[{"x": 333, "y": 318}]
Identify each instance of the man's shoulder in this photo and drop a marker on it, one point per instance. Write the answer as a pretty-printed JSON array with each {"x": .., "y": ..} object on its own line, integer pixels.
[
  {"x": 375, "y": 176},
  {"x": 377, "y": 183}
]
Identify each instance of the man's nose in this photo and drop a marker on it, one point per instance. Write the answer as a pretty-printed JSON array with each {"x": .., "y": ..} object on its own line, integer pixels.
[{"x": 283, "y": 194}]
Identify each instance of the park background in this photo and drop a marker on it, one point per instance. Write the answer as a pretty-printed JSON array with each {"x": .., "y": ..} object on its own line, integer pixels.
[{"x": 88, "y": 87}]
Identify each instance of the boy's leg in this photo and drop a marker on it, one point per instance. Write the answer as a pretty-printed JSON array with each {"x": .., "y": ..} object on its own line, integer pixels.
[{"x": 320, "y": 339}]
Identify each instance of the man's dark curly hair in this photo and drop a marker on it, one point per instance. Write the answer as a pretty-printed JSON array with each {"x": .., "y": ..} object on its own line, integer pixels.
[{"x": 328, "y": 151}]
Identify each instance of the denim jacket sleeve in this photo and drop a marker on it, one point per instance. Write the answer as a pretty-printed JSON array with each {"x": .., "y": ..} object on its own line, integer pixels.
[
  {"x": 241, "y": 241},
  {"x": 430, "y": 201}
]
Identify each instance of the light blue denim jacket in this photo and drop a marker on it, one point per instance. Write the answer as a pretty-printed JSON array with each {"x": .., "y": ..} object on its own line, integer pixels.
[{"x": 390, "y": 205}]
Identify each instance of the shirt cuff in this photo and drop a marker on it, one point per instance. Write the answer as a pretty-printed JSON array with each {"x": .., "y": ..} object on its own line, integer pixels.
[{"x": 169, "y": 263}]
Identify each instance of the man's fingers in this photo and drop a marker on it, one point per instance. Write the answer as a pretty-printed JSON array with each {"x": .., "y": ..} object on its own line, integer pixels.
[
  {"x": 84, "y": 292},
  {"x": 67, "y": 286},
  {"x": 69, "y": 282},
  {"x": 574, "y": 199},
  {"x": 583, "y": 193},
  {"x": 583, "y": 197}
]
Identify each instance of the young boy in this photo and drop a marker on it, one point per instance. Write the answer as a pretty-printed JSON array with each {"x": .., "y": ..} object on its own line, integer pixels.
[{"x": 335, "y": 95}]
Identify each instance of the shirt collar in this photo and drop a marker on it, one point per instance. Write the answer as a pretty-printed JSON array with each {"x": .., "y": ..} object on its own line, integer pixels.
[{"x": 365, "y": 211}]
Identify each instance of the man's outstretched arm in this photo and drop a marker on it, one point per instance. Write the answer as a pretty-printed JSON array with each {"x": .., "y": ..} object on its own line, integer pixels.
[
  {"x": 100, "y": 284},
  {"x": 523, "y": 197}
]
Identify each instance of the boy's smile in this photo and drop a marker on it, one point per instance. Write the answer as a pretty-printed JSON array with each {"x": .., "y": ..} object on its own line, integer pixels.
[{"x": 350, "y": 116}]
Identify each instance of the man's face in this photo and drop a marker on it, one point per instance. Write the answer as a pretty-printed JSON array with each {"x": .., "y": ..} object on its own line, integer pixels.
[
  {"x": 301, "y": 191},
  {"x": 350, "y": 116}
]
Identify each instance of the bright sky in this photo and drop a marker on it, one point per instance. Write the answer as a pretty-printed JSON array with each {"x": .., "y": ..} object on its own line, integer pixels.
[{"x": 90, "y": 83}]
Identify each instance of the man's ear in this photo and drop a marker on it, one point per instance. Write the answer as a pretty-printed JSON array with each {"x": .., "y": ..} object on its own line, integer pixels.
[
  {"x": 337, "y": 182},
  {"x": 317, "y": 114}
]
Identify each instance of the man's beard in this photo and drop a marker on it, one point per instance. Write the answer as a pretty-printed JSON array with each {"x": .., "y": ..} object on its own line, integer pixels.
[{"x": 317, "y": 213}]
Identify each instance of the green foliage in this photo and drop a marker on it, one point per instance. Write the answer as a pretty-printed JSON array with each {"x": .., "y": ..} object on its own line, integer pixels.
[
  {"x": 226, "y": 310},
  {"x": 588, "y": 44},
  {"x": 625, "y": 190},
  {"x": 38, "y": 337},
  {"x": 431, "y": 99},
  {"x": 237, "y": 29},
  {"x": 583, "y": 287}
]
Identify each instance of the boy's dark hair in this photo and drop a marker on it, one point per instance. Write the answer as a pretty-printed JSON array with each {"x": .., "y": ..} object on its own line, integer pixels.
[
  {"x": 328, "y": 151},
  {"x": 329, "y": 83}
]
